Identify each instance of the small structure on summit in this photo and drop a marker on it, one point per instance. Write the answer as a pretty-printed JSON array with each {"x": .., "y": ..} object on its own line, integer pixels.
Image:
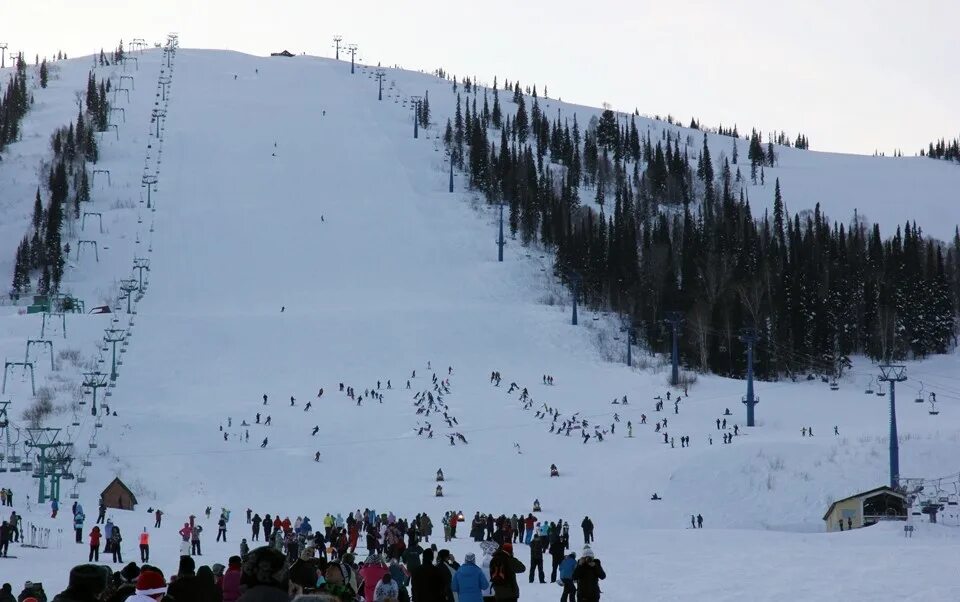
[
  {"x": 865, "y": 509},
  {"x": 118, "y": 495},
  {"x": 286, "y": 53}
]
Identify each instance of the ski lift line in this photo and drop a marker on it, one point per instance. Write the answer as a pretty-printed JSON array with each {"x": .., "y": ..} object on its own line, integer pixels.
[{"x": 341, "y": 443}]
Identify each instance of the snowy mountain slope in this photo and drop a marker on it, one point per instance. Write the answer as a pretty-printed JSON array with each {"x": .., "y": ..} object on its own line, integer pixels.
[
  {"x": 344, "y": 221},
  {"x": 885, "y": 190}
]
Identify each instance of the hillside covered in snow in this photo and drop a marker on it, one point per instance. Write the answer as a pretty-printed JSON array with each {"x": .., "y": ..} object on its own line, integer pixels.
[{"x": 300, "y": 241}]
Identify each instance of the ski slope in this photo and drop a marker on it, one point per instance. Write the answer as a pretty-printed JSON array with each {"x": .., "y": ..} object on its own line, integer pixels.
[{"x": 285, "y": 183}]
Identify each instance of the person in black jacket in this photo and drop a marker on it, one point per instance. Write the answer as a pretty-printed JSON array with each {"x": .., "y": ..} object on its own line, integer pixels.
[
  {"x": 6, "y": 593},
  {"x": 587, "y": 525},
  {"x": 536, "y": 557},
  {"x": 255, "y": 522},
  {"x": 87, "y": 582},
  {"x": 587, "y": 575},
  {"x": 187, "y": 587},
  {"x": 429, "y": 582},
  {"x": 504, "y": 568},
  {"x": 557, "y": 553}
]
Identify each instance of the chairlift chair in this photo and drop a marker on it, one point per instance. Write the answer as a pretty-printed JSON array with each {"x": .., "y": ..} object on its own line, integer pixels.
[
  {"x": 919, "y": 398},
  {"x": 87, "y": 463},
  {"x": 74, "y": 496},
  {"x": 81, "y": 479},
  {"x": 881, "y": 392},
  {"x": 93, "y": 446},
  {"x": 834, "y": 386}
]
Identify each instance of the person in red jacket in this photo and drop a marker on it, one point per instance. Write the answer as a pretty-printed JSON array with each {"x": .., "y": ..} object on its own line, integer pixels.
[
  {"x": 354, "y": 536},
  {"x": 94, "y": 544},
  {"x": 453, "y": 524},
  {"x": 277, "y": 523},
  {"x": 287, "y": 525},
  {"x": 231, "y": 580}
]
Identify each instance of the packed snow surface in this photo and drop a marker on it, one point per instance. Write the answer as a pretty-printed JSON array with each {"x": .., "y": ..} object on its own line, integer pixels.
[{"x": 302, "y": 238}]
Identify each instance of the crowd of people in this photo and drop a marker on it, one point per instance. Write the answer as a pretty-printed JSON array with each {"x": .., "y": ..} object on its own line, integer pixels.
[{"x": 401, "y": 564}]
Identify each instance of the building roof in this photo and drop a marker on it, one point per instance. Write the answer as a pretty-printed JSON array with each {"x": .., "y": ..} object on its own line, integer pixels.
[
  {"x": 868, "y": 493},
  {"x": 126, "y": 489}
]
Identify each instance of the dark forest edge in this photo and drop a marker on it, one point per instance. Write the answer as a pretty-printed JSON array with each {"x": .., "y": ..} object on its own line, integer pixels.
[{"x": 681, "y": 237}]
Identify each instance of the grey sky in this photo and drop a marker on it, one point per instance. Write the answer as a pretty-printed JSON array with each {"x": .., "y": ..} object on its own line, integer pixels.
[{"x": 854, "y": 75}]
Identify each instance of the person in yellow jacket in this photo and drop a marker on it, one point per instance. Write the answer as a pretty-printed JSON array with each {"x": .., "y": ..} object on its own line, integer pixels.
[{"x": 144, "y": 546}]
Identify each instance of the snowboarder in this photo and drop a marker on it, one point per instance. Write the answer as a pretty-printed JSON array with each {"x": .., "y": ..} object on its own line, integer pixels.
[{"x": 316, "y": 457}]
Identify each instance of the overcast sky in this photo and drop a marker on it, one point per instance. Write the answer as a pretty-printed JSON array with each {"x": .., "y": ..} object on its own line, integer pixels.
[{"x": 854, "y": 75}]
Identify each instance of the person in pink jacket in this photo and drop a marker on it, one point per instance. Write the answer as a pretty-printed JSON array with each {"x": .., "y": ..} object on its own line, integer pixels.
[
  {"x": 231, "y": 580},
  {"x": 372, "y": 572}
]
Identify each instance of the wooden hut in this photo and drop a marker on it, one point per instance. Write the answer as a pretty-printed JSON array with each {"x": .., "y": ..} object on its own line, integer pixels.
[{"x": 118, "y": 495}]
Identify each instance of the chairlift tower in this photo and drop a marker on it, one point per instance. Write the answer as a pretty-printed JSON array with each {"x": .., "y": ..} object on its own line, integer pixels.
[
  {"x": 379, "y": 75},
  {"x": 3, "y": 55},
  {"x": 416, "y": 115},
  {"x": 674, "y": 319},
  {"x": 149, "y": 182},
  {"x": 42, "y": 439},
  {"x": 749, "y": 336},
  {"x": 25, "y": 365},
  {"x": 140, "y": 264},
  {"x": 94, "y": 381},
  {"x": 43, "y": 322},
  {"x": 114, "y": 336},
  {"x": 164, "y": 81},
  {"x": 129, "y": 285},
  {"x": 893, "y": 374},
  {"x": 352, "y": 49},
  {"x": 59, "y": 467},
  {"x": 336, "y": 44}
]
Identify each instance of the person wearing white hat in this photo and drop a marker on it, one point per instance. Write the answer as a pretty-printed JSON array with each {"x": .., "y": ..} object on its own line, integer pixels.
[{"x": 587, "y": 575}]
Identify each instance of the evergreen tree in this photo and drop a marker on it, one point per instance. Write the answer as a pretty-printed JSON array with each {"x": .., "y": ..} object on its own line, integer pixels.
[{"x": 520, "y": 123}]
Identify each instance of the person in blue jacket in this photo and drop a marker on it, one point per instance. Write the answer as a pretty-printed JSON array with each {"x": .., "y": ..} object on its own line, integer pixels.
[
  {"x": 305, "y": 527},
  {"x": 469, "y": 582},
  {"x": 566, "y": 578}
]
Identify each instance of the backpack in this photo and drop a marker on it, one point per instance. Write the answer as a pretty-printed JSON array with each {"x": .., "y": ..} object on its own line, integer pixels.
[{"x": 498, "y": 572}]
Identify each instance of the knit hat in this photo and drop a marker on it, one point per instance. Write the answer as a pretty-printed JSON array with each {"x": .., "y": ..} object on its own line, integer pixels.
[
  {"x": 470, "y": 558},
  {"x": 587, "y": 552},
  {"x": 88, "y": 578},
  {"x": 508, "y": 547},
  {"x": 130, "y": 572},
  {"x": 150, "y": 583}
]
